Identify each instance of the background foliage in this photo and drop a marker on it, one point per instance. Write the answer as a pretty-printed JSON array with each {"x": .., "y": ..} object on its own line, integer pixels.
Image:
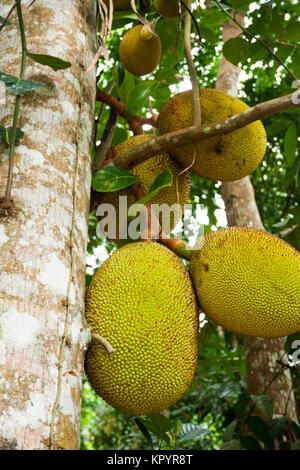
[{"x": 216, "y": 407}]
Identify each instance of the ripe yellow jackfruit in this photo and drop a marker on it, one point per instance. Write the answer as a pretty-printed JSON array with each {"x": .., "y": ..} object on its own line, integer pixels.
[
  {"x": 169, "y": 8},
  {"x": 147, "y": 172},
  {"x": 248, "y": 281},
  {"x": 227, "y": 157},
  {"x": 119, "y": 4},
  {"x": 142, "y": 301},
  {"x": 140, "y": 51}
]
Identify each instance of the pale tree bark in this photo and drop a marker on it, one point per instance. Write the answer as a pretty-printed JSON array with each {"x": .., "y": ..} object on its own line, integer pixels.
[
  {"x": 241, "y": 209},
  {"x": 43, "y": 240}
]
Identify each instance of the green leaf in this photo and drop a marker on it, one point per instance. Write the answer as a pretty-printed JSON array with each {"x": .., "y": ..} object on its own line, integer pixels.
[
  {"x": 120, "y": 135},
  {"x": 231, "y": 445},
  {"x": 249, "y": 443},
  {"x": 296, "y": 445},
  {"x": 2, "y": 21},
  {"x": 208, "y": 34},
  {"x": 54, "y": 62},
  {"x": 16, "y": 86},
  {"x": 289, "y": 341},
  {"x": 127, "y": 84},
  {"x": 191, "y": 431},
  {"x": 239, "y": 5},
  {"x": 143, "y": 430},
  {"x": 264, "y": 403},
  {"x": 292, "y": 32},
  {"x": 277, "y": 427},
  {"x": 5, "y": 133},
  {"x": 159, "y": 425},
  {"x": 260, "y": 428},
  {"x": 215, "y": 17},
  {"x": 291, "y": 144},
  {"x": 163, "y": 180},
  {"x": 230, "y": 430},
  {"x": 137, "y": 97},
  {"x": 236, "y": 50},
  {"x": 112, "y": 178}
]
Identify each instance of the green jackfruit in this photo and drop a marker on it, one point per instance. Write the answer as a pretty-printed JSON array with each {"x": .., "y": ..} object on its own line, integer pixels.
[
  {"x": 142, "y": 301},
  {"x": 140, "y": 50},
  {"x": 147, "y": 171},
  {"x": 226, "y": 157},
  {"x": 169, "y": 8},
  {"x": 248, "y": 281}
]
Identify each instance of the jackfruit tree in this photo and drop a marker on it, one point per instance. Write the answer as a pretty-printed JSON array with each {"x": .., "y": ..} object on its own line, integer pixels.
[{"x": 148, "y": 343}]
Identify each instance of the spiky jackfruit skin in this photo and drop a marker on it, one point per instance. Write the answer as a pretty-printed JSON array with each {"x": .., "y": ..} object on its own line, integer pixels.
[
  {"x": 139, "y": 56},
  {"x": 227, "y": 157},
  {"x": 147, "y": 172},
  {"x": 169, "y": 8},
  {"x": 142, "y": 301},
  {"x": 248, "y": 281},
  {"x": 119, "y": 4}
]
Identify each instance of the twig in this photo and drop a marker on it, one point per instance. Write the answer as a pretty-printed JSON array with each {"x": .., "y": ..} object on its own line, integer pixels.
[
  {"x": 191, "y": 135},
  {"x": 179, "y": 25},
  {"x": 8, "y": 14},
  {"x": 97, "y": 120},
  {"x": 103, "y": 149},
  {"x": 257, "y": 39},
  {"x": 100, "y": 340},
  {"x": 16, "y": 111},
  {"x": 194, "y": 20},
  {"x": 284, "y": 233},
  {"x": 192, "y": 70},
  {"x": 120, "y": 108}
]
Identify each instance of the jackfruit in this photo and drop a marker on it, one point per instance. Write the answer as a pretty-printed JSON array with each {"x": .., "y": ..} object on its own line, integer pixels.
[
  {"x": 169, "y": 8},
  {"x": 141, "y": 300},
  {"x": 147, "y": 172},
  {"x": 140, "y": 50},
  {"x": 248, "y": 281},
  {"x": 119, "y": 4},
  {"x": 227, "y": 157}
]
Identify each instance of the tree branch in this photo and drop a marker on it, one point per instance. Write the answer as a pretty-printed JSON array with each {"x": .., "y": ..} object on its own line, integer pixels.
[
  {"x": 190, "y": 135},
  {"x": 136, "y": 122}
]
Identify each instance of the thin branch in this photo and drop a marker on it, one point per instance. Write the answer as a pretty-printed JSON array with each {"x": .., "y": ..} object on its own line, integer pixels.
[
  {"x": 257, "y": 39},
  {"x": 100, "y": 340},
  {"x": 287, "y": 231},
  {"x": 103, "y": 149},
  {"x": 120, "y": 108},
  {"x": 192, "y": 70},
  {"x": 191, "y": 135},
  {"x": 8, "y": 14},
  {"x": 16, "y": 111},
  {"x": 194, "y": 20}
]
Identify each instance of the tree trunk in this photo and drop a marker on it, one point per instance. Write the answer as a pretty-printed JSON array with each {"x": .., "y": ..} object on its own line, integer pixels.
[
  {"x": 43, "y": 238},
  {"x": 241, "y": 209}
]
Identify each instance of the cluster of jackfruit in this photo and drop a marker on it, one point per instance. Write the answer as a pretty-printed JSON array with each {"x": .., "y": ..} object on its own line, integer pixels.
[{"x": 143, "y": 300}]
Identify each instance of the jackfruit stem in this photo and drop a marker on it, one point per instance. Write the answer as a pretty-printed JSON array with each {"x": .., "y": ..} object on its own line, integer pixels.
[
  {"x": 146, "y": 33},
  {"x": 100, "y": 340}
]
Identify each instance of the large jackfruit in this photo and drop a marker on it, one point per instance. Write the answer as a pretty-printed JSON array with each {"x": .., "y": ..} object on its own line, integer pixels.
[
  {"x": 248, "y": 281},
  {"x": 147, "y": 171},
  {"x": 142, "y": 301},
  {"x": 140, "y": 51},
  {"x": 227, "y": 157},
  {"x": 169, "y": 8}
]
